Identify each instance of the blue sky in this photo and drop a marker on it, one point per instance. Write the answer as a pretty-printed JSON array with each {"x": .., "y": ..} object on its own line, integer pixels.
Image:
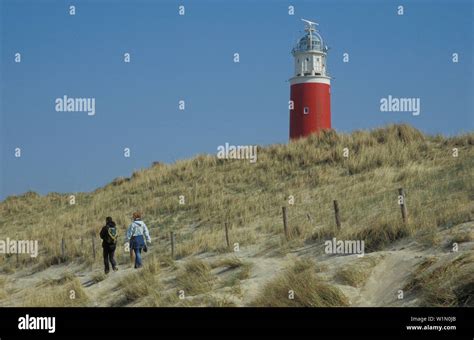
[{"x": 190, "y": 57}]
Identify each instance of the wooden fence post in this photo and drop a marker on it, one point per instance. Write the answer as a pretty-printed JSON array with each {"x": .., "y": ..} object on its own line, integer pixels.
[
  {"x": 336, "y": 214},
  {"x": 63, "y": 249},
  {"x": 227, "y": 234},
  {"x": 285, "y": 222},
  {"x": 172, "y": 244},
  {"x": 403, "y": 206},
  {"x": 93, "y": 245}
]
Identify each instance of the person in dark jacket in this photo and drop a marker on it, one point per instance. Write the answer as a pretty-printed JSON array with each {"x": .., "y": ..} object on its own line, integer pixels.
[{"x": 108, "y": 235}]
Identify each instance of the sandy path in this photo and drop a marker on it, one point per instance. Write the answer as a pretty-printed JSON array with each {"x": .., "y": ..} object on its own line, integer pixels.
[{"x": 387, "y": 278}]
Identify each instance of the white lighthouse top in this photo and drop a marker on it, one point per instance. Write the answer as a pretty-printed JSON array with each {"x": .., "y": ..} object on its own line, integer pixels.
[
  {"x": 311, "y": 41},
  {"x": 310, "y": 55}
]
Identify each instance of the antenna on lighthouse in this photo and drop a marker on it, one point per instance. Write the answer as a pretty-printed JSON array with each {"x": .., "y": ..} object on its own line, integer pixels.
[
  {"x": 310, "y": 25},
  {"x": 310, "y": 29}
]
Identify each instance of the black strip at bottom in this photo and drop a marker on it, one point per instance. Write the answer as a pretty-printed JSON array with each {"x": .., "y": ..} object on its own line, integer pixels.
[{"x": 291, "y": 323}]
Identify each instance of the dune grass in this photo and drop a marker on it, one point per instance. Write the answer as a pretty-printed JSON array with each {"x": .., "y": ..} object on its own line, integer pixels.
[
  {"x": 207, "y": 300},
  {"x": 66, "y": 277},
  {"x": 70, "y": 293},
  {"x": 228, "y": 262},
  {"x": 445, "y": 283},
  {"x": 195, "y": 278},
  {"x": 143, "y": 283},
  {"x": 299, "y": 286},
  {"x": 462, "y": 236},
  {"x": 98, "y": 277},
  {"x": 249, "y": 198},
  {"x": 237, "y": 271},
  {"x": 3, "y": 290},
  {"x": 357, "y": 272}
]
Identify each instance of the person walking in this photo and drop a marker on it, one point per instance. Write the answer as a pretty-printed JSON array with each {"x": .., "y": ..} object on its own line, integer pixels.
[
  {"x": 108, "y": 234},
  {"x": 138, "y": 236}
]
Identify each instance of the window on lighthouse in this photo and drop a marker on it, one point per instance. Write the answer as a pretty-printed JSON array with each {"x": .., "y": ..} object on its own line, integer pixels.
[{"x": 306, "y": 110}]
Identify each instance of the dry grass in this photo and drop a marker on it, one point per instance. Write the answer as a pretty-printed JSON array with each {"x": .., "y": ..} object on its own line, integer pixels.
[
  {"x": 160, "y": 299},
  {"x": 309, "y": 290},
  {"x": 207, "y": 300},
  {"x": 445, "y": 284},
  {"x": 228, "y": 262},
  {"x": 239, "y": 271},
  {"x": 218, "y": 302},
  {"x": 98, "y": 277},
  {"x": 245, "y": 271},
  {"x": 463, "y": 236},
  {"x": 3, "y": 290},
  {"x": 231, "y": 263},
  {"x": 143, "y": 283},
  {"x": 69, "y": 294},
  {"x": 66, "y": 277},
  {"x": 249, "y": 196},
  {"x": 357, "y": 272},
  {"x": 137, "y": 286},
  {"x": 195, "y": 278}
]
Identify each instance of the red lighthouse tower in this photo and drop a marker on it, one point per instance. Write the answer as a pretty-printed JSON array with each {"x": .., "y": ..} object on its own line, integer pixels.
[{"x": 310, "y": 105}]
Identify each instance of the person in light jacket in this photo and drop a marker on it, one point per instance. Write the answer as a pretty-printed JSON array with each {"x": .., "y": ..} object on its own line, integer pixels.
[{"x": 138, "y": 236}]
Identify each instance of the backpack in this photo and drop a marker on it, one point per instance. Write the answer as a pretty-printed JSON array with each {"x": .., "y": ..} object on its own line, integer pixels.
[{"x": 112, "y": 234}]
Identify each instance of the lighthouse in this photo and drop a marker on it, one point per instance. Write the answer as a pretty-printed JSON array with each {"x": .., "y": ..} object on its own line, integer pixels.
[{"x": 310, "y": 103}]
